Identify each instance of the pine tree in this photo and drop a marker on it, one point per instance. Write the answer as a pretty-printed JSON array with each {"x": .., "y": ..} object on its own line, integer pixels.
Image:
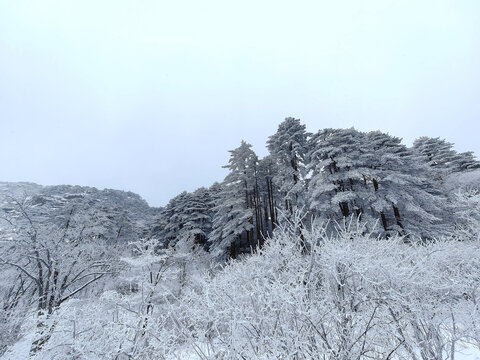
[
  {"x": 409, "y": 189},
  {"x": 173, "y": 215},
  {"x": 267, "y": 194},
  {"x": 440, "y": 154},
  {"x": 288, "y": 147},
  {"x": 196, "y": 216},
  {"x": 234, "y": 218},
  {"x": 188, "y": 215},
  {"x": 334, "y": 163},
  {"x": 372, "y": 176}
]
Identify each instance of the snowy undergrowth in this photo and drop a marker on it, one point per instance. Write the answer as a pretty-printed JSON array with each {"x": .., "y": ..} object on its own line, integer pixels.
[{"x": 349, "y": 296}]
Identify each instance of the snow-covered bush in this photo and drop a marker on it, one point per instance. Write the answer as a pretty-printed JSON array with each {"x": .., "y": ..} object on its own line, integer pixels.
[
  {"x": 352, "y": 296},
  {"x": 348, "y": 296}
]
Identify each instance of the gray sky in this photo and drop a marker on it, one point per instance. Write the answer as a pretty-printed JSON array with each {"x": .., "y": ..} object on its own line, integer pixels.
[{"x": 149, "y": 96}]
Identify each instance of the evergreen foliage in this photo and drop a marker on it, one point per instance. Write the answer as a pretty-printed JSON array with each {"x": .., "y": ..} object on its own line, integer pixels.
[
  {"x": 329, "y": 176},
  {"x": 440, "y": 154}
]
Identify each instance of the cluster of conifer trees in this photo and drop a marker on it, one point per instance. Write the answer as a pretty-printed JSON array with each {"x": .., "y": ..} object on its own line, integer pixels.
[{"x": 327, "y": 176}]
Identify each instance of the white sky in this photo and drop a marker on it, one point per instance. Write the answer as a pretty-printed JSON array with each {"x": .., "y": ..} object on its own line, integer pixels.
[{"x": 149, "y": 96}]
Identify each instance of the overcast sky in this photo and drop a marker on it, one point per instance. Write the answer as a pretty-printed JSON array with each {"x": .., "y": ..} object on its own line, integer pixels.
[{"x": 149, "y": 96}]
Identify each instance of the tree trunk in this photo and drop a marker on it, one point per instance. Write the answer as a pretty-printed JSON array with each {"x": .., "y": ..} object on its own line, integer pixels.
[
  {"x": 44, "y": 333},
  {"x": 396, "y": 212}
]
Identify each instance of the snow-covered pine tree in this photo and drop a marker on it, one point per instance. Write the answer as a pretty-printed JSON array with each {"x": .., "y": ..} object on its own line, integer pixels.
[
  {"x": 334, "y": 163},
  {"x": 440, "y": 154},
  {"x": 196, "y": 216},
  {"x": 267, "y": 194},
  {"x": 172, "y": 214},
  {"x": 215, "y": 192},
  {"x": 376, "y": 177},
  {"x": 406, "y": 190},
  {"x": 288, "y": 147},
  {"x": 188, "y": 215},
  {"x": 234, "y": 213}
]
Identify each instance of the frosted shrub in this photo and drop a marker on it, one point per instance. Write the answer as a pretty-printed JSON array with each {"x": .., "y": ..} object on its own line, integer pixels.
[
  {"x": 348, "y": 296},
  {"x": 352, "y": 296}
]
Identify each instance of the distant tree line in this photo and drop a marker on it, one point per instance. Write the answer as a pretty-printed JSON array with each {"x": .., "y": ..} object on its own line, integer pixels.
[{"x": 327, "y": 176}]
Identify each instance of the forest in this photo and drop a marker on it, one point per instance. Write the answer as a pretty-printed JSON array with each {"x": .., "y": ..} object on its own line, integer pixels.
[{"x": 339, "y": 244}]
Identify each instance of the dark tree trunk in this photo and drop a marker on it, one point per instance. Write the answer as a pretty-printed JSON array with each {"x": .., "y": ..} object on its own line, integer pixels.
[
  {"x": 271, "y": 203},
  {"x": 398, "y": 219},
  {"x": 344, "y": 208},
  {"x": 384, "y": 220}
]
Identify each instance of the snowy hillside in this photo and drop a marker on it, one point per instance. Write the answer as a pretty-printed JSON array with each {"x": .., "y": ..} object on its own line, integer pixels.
[{"x": 340, "y": 244}]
